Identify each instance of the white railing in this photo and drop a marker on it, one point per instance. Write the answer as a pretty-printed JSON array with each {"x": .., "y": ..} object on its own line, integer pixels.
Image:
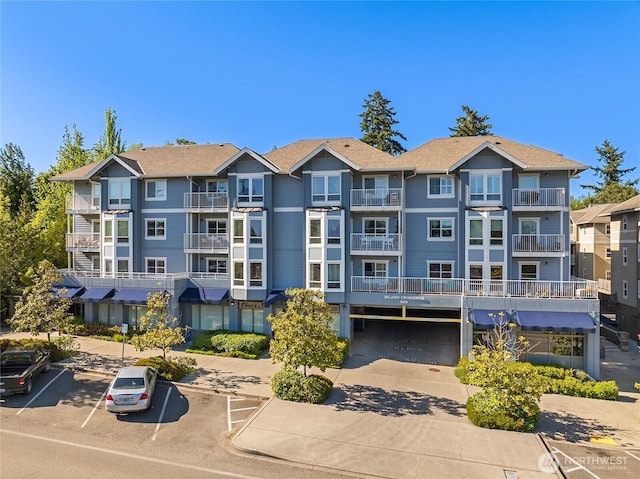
[
  {"x": 83, "y": 240},
  {"x": 538, "y": 197},
  {"x": 205, "y": 242},
  {"x": 369, "y": 242},
  {"x": 206, "y": 201},
  {"x": 377, "y": 198},
  {"x": 538, "y": 243},
  {"x": 82, "y": 203},
  {"x": 604, "y": 285},
  {"x": 121, "y": 275},
  {"x": 455, "y": 286}
]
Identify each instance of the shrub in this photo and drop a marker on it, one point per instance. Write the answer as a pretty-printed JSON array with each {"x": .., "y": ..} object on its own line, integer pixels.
[
  {"x": 343, "y": 351},
  {"x": 67, "y": 345},
  {"x": 172, "y": 368},
  {"x": 33, "y": 343},
  {"x": 237, "y": 344},
  {"x": 485, "y": 411},
  {"x": 461, "y": 370},
  {"x": 291, "y": 385}
]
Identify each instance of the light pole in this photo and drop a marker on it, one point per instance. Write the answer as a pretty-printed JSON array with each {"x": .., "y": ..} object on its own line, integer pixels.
[{"x": 125, "y": 328}]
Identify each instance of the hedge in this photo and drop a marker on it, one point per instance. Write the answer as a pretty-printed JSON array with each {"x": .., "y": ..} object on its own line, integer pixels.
[
  {"x": 57, "y": 353},
  {"x": 482, "y": 414},
  {"x": 291, "y": 385},
  {"x": 172, "y": 368},
  {"x": 223, "y": 342}
]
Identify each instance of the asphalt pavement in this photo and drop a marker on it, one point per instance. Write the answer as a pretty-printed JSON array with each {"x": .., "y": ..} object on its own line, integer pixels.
[{"x": 394, "y": 419}]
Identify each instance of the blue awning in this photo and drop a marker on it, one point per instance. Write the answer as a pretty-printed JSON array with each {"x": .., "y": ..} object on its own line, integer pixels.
[
  {"x": 204, "y": 295},
  {"x": 485, "y": 319},
  {"x": 133, "y": 296},
  {"x": 276, "y": 296},
  {"x": 96, "y": 295},
  {"x": 556, "y": 321},
  {"x": 70, "y": 292}
]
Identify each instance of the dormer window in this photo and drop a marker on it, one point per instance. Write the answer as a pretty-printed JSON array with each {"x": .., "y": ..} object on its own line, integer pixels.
[
  {"x": 120, "y": 192},
  {"x": 250, "y": 190},
  {"x": 326, "y": 188}
]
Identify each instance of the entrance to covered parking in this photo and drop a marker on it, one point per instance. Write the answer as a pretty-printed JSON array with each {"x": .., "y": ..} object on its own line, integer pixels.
[{"x": 426, "y": 337}]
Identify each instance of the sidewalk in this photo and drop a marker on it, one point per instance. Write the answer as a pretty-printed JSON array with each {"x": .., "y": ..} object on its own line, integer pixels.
[{"x": 395, "y": 420}]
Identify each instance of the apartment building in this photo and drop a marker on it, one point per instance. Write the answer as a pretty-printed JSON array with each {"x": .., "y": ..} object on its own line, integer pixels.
[
  {"x": 625, "y": 264},
  {"x": 458, "y": 231}
]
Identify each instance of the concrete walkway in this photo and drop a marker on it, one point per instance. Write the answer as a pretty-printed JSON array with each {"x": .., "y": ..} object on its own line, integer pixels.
[{"x": 396, "y": 420}]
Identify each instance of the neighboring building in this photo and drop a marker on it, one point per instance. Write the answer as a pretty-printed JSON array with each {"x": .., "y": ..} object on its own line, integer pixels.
[
  {"x": 455, "y": 231},
  {"x": 625, "y": 264}
]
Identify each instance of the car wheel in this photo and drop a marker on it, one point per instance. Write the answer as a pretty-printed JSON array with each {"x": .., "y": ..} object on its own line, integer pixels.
[
  {"x": 29, "y": 387},
  {"x": 47, "y": 367}
]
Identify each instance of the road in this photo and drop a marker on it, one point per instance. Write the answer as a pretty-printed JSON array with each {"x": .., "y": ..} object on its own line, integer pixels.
[{"x": 61, "y": 430}]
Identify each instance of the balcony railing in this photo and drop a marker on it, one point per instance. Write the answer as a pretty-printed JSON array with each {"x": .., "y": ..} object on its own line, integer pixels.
[
  {"x": 455, "y": 286},
  {"x": 83, "y": 241},
  {"x": 377, "y": 199},
  {"x": 604, "y": 285},
  {"x": 205, "y": 243},
  {"x": 82, "y": 204},
  {"x": 206, "y": 201},
  {"x": 375, "y": 243},
  {"x": 537, "y": 244},
  {"x": 538, "y": 197}
]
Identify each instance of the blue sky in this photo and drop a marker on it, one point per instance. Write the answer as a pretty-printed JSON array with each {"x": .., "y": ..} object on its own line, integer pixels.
[{"x": 560, "y": 75}]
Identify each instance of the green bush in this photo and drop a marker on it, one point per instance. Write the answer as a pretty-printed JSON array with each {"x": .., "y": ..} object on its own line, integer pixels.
[
  {"x": 237, "y": 344},
  {"x": 485, "y": 412},
  {"x": 32, "y": 343},
  {"x": 291, "y": 385},
  {"x": 461, "y": 370},
  {"x": 343, "y": 348},
  {"x": 171, "y": 369}
]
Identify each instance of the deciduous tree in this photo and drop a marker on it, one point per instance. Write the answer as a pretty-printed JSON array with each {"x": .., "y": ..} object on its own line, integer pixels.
[
  {"x": 110, "y": 142},
  {"x": 378, "y": 119},
  {"x": 16, "y": 177},
  {"x": 471, "y": 124}
]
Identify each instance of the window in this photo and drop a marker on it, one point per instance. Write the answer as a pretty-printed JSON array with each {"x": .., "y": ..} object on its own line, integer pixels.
[
  {"x": 529, "y": 226},
  {"x": 496, "y": 232},
  {"x": 315, "y": 275},
  {"x": 250, "y": 190},
  {"x": 218, "y": 266},
  {"x": 123, "y": 231},
  {"x": 624, "y": 222},
  {"x": 475, "y": 232},
  {"x": 108, "y": 266},
  {"x": 156, "y": 265},
  {"x": 584, "y": 252},
  {"x": 625, "y": 289},
  {"x": 95, "y": 263},
  {"x": 123, "y": 266},
  {"x": 639, "y": 289},
  {"x": 119, "y": 192},
  {"x": 217, "y": 227},
  {"x": 485, "y": 187},
  {"x": 238, "y": 274},
  {"x": 156, "y": 190},
  {"x": 375, "y": 226},
  {"x": 441, "y": 186},
  {"x": 255, "y": 274},
  {"x": 529, "y": 271},
  {"x": 333, "y": 227},
  {"x": 607, "y": 275},
  {"x": 475, "y": 271},
  {"x": 255, "y": 231},
  {"x": 607, "y": 229},
  {"x": 251, "y": 320},
  {"x": 528, "y": 182},
  {"x": 325, "y": 188},
  {"x": 96, "y": 191},
  {"x": 624, "y": 256},
  {"x": 607, "y": 253},
  {"x": 496, "y": 271},
  {"x": 333, "y": 276},
  {"x": 217, "y": 186},
  {"x": 375, "y": 269},
  {"x": 315, "y": 231},
  {"x": 238, "y": 231},
  {"x": 440, "y": 270},
  {"x": 440, "y": 229},
  {"x": 108, "y": 231},
  {"x": 155, "y": 229}
]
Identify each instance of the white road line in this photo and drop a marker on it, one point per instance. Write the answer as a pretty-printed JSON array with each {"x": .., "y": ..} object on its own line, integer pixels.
[
  {"x": 579, "y": 466},
  {"x": 633, "y": 455},
  {"x": 245, "y": 409},
  {"x": 41, "y": 391},
  {"x": 94, "y": 408},
  {"x": 239, "y": 420},
  {"x": 229, "y": 412},
  {"x": 164, "y": 407},
  {"x": 129, "y": 455}
]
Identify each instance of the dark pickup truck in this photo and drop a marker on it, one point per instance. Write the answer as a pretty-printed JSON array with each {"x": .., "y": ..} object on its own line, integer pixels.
[{"x": 19, "y": 368}]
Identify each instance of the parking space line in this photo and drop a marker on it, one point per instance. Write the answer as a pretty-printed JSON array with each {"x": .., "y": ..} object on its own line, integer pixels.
[
  {"x": 94, "y": 408},
  {"x": 578, "y": 465},
  {"x": 229, "y": 412},
  {"x": 244, "y": 409},
  {"x": 164, "y": 407},
  {"x": 633, "y": 455},
  {"x": 41, "y": 391}
]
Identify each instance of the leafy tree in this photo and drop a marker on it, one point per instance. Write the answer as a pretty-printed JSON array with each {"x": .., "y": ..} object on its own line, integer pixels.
[
  {"x": 41, "y": 309},
  {"x": 377, "y": 123},
  {"x": 160, "y": 331},
  {"x": 302, "y": 334},
  {"x": 611, "y": 172},
  {"x": 471, "y": 124},
  {"x": 614, "y": 193},
  {"x": 110, "y": 142},
  {"x": 16, "y": 177}
]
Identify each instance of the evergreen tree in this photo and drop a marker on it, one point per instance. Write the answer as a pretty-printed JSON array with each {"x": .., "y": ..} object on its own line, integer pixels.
[
  {"x": 611, "y": 172},
  {"x": 16, "y": 177},
  {"x": 377, "y": 123},
  {"x": 471, "y": 124}
]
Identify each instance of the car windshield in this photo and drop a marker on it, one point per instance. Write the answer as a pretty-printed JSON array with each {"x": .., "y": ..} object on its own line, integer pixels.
[{"x": 129, "y": 383}]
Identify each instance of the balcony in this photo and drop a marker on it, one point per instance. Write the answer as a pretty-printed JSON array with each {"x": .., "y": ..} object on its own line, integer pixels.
[
  {"x": 89, "y": 242},
  {"x": 538, "y": 199},
  {"x": 206, "y": 202},
  {"x": 82, "y": 204},
  {"x": 584, "y": 289},
  {"x": 538, "y": 245},
  {"x": 362, "y": 243},
  {"x": 206, "y": 243},
  {"x": 380, "y": 199}
]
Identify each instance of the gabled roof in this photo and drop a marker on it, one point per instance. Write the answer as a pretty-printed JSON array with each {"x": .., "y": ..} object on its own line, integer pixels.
[
  {"x": 447, "y": 154},
  {"x": 593, "y": 214},
  {"x": 632, "y": 204},
  {"x": 162, "y": 161},
  {"x": 246, "y": 151},
  {"x": 355, "y": 153}
]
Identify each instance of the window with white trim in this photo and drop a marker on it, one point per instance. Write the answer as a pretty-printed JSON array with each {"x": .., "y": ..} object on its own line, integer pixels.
[
  {"x": 442, "y": 270},
  {"x": 375, "y": 226},
  {"x": 108, "y": 231},
  {"x": 315, "y": 231},
  {"x": 440, "y": 229},
  {"x": 497, "y": 232},
  {"x": 607, "y": 229},
  {"x": 238, "y": 273},
  {"x": 216, "y": 186},
  {"x": 333, "y": 230},
  {"x": 123, "y": 266},
  {"x": 217, "y": 227},
  {"x": 607, "y": 253},
  {"x": 625, "y": 256},
  {"x": 485, "y": 187},
  {"x": 315, "y": 275},
  {"x": 123, "y": 231},
  {"x": 475, "y": 232},
  {"x": 624, "y": 222},
  {"x": 251, "y": 190},
  {"x": 607, "y": 275},
  {"x": 333, "y": 276},
  {"x": 108, "y": 266},
  {"x": 119, "y": 192},
  {"x": 156, "y": 265},
  {"x": 95, "y": 263},
  {"x": 440, "y": 187},
  {"x": 325, "y": 188},
  {"x": 218, "y": 266},
  {"x": 625, "y": 289},
  {"x": 155, "y": 229},
  {"x": 255, "y": 231},
  {"x": 529, "y": 271},
  {"x": 255, "y": 273},
  {"x": 155, "y": 190},
  {"x": 238, "y": 231},
  {"x": 376, "y": 269}
]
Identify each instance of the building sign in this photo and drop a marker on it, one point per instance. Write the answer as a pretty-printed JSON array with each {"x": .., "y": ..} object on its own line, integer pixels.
[
  {"x": 250, "y": 305},
  {"x": 403, "y": 298}
]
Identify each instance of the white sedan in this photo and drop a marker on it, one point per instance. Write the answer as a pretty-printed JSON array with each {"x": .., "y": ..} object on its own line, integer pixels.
[{"x": 131, "y": 390}]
